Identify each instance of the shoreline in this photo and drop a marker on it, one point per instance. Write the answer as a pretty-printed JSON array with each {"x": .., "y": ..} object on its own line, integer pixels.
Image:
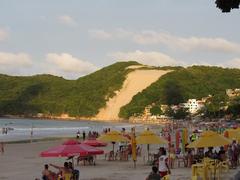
[{"x": 130, "y": 122}]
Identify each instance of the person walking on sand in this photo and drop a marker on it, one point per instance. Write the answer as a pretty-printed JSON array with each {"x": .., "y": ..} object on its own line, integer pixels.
[{"x": 2, "y": 148}]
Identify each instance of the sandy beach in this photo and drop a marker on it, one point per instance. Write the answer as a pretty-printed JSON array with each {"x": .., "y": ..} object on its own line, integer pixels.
[
  {"x": 135, "y": 82},
  {"x": 22, "y": 161}
]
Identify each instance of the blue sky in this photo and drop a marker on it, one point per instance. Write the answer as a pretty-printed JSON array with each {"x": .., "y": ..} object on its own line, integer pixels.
[{"x": 76, "y": 37}]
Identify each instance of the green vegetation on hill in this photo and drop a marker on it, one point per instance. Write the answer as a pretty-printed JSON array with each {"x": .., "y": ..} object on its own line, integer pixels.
[
  {"x": 182, "y": 84},
  {"x": 53, "y": 95}
]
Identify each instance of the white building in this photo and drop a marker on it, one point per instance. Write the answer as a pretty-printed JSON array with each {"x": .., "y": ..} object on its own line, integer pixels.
[{"x": 194, "y": 105}]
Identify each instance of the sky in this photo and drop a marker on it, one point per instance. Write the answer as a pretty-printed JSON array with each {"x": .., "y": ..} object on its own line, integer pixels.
[{"x": 72, "y": 38}]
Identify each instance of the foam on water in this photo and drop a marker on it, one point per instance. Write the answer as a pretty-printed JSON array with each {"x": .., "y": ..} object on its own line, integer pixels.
[{"x": 52, "y": 128}]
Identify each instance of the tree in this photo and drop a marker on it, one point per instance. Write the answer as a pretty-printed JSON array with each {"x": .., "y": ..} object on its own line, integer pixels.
[
  {"x": 214, "y": 107},
  {"x": 181, "y": 113},
  {"x": 172, "y": 93},
  {"x": 156, "y": 110},
  {"x": 234, "y": 108}
]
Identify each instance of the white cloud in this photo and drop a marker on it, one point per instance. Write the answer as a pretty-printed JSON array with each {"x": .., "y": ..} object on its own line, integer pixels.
[
  {"x": 3, "y": 34},
  {"x": 234, "y": 63},
  {"x": 67, "y": 20},
  {"x": 187, "y": 44},
  {"x": 149, "y": 58},
  {"x": 174, "y": 42},
  {"x": 100, "y": 34},
  {"x": 56, "y": 64},
  {"x": 15, "y": 64},
  {"x": 68, "y": 66}
]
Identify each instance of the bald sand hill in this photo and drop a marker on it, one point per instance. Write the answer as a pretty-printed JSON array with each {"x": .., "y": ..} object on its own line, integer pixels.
[{"x": 135, "y": 82}]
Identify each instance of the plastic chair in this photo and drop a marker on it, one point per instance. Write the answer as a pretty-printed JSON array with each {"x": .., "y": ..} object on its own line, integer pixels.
[
  {"x": 215, "y": 169},
  {"x": 167, "y": 177},
  {"x": 225, "y": 166},
  {"x": 194, "y": 178}
]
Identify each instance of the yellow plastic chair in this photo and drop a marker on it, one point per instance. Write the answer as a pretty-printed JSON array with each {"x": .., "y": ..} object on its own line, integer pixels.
[
  {"x": 225, "y": 166},
  {"x": 194, "y": 178},
  {"x": 215, "y": 169},
  {"x": 167, "y": 177},
  {"x": 199, "y": 170}
]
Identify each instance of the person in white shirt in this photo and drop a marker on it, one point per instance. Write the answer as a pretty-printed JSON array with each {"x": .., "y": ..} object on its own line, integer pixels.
[{"x": 163, "y": 166}]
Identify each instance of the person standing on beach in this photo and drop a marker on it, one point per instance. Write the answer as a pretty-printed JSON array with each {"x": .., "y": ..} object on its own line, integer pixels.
[
  {"x": 78, "y": 134},
  {"x": 163, "y": 166},
  {"x": 84, "y": 135},
  {"x": 2, "y": 148}
]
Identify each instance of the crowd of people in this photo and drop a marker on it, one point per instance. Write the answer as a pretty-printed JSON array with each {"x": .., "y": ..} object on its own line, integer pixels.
[{"x": 90, "y": 135}]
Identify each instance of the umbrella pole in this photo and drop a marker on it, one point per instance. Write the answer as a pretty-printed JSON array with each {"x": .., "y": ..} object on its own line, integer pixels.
[
  {"x": 73, "y": 162},
  {"x": 148, "y": 152},
  {"x": 113, "y": 151}
]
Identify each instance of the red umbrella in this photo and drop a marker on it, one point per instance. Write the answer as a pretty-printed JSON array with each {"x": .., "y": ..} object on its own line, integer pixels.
[
  {"x": 71, "y": 148},
  {"x": 95, "y": 143}
]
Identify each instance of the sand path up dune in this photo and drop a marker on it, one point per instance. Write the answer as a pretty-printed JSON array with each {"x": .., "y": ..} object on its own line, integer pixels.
[{"x": 135, "y": 82}]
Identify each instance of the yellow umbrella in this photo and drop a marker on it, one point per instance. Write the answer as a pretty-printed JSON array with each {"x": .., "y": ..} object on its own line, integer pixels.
[
  {"x": 134, "y": 147},
  {"x": 233, "y": 134},
  {"x": 149, "y": 137},
  {"x": 113, "y": 136},
  {"x": 209, "y": 139}
]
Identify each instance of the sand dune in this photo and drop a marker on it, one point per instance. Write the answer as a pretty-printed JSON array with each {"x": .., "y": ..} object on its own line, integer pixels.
[{"x": 135, "y": 82}]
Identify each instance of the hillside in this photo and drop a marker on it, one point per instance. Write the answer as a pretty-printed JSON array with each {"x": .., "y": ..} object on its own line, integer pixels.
[
  {"x": 53, "y": 95},
  {"x": 107, "y": 90},
  {"x": 182, "y": 84}
]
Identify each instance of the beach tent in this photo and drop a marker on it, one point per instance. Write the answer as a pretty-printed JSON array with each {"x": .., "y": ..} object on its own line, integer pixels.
[
  {"x": 113, "y": 137},
  {"x": 95, "y": 143},
  {"x": 149, "y": 137},
  {"x": 71, "y": 148},
  {"x": 209, "y": 139}
]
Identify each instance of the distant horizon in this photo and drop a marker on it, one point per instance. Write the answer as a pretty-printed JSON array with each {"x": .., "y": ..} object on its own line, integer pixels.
[{"x": 73, "y": 39}]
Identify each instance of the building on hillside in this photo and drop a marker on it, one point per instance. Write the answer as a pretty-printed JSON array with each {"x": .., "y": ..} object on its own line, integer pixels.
[
  {"x": 164, "y": 107},
  {"x": 204, "y": 99},
  {"x": 194, "y": 105},
  {"x": 233, "y": 92}
]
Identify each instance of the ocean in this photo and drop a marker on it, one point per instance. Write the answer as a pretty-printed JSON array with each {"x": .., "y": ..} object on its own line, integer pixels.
[{"x": 20, "y": 129}]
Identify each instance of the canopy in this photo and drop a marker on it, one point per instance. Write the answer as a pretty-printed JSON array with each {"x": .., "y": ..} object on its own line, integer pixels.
[
  {"x": 209, "y": 139},
  {"x": 71, "y": 148},
  {"x": 112, "y": 136},
  {"x": 95, "y": 143},
  {"x": 149, "y": 137}
]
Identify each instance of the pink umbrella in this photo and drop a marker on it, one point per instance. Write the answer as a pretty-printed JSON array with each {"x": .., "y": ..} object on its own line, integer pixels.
[
  {"x": 95, "y": 143},
  {"x": 71, "y": 148}
]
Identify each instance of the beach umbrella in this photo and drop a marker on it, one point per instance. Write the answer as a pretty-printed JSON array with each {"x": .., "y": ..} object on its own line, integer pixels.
[
  {"x": 95, "y": 143},
  {"x": 71, "y": 148},
  {"x": 112, "y": 136},
  {"x": 149, "y": 137},
  {"x": 134, "y": 147},
  {"x": 209, "y": 139}
]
